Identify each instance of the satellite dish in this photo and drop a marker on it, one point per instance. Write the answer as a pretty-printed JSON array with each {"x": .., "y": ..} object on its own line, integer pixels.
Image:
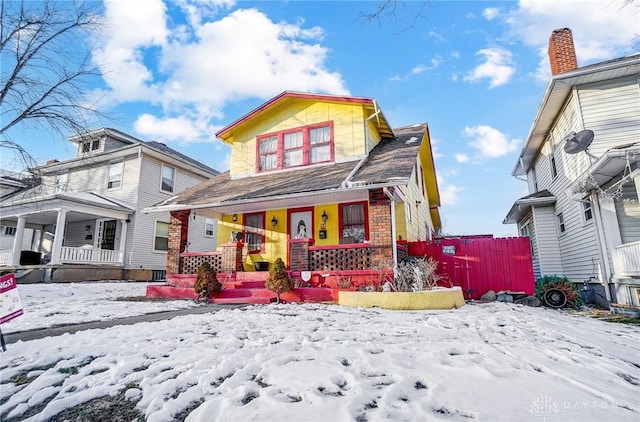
[{"x": 576, "y": 142}]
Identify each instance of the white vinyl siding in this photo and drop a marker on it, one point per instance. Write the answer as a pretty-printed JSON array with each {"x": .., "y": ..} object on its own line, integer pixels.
[
  {"x": 546, "y": 238},
  {"x": 527, "y": 228},
  {"x": 628, "y": 213},
  {"x": 198, "y": 240}
]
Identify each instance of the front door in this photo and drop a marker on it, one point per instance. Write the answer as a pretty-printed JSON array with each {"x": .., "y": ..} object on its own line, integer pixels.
[
  {"x": 300, "y": 224},
  {"x": 108, "y": 234}
]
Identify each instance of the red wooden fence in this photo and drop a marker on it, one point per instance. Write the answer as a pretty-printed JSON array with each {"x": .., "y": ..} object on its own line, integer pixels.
[{"x": 479, "y": 263}]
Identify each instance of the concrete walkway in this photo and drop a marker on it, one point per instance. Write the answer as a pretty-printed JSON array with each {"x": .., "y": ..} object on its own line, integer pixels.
[{"x": 73, "y": 328}]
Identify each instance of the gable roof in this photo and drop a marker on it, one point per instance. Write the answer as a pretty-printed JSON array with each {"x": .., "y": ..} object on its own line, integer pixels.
[
  {"x": 389, "y": 163},
  {"x": 558, "y": 89},
  {"x": 383, "y": 126}
]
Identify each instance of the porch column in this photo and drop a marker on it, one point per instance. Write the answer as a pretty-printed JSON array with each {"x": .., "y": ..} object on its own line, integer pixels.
[
  {"x": 380, "y": 229},
  {"x": 56, "y": 250},
  {"x": 123, "y": 238},
  {"x": 178, "y": 236},
  {"x": 17, "y": 241},
  {"x": 299, "y": 254},
  {"x": 232, "y": 257}
]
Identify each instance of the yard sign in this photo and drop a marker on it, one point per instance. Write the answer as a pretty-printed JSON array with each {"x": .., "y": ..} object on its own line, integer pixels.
[{"x": 10, "y": 306}]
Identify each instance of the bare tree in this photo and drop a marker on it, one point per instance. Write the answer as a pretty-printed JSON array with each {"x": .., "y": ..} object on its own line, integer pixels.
[
  {"x": 45, "y": 68},
  {"x": 403, "y": 11}
]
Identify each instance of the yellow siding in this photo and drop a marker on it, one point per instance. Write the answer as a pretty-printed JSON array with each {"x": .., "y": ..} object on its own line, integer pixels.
[
  {"x": 401, "y": 222},
  {"x": 333, "y": 237},
  {"x": 348, "y": 121}
]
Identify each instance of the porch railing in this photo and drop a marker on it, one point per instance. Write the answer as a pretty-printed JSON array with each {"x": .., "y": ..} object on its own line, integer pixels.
[
  {"x": 71, "y": 255},
  {"x": 5, "y": 256},
  {"x": 626, "y": 260},
  {"x": 190, "y": 261},
  {"x": 340, "y": 257}
]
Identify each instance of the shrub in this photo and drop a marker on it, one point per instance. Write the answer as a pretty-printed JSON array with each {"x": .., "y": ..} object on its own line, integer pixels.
[
  {"x": 558, "y": 292},
  {"x": 278, "y": 280},
  {"x": 206, "y": 282}
]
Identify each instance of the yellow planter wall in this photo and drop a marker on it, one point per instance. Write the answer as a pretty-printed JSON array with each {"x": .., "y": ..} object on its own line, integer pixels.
[{"x": 430, "y": 299}]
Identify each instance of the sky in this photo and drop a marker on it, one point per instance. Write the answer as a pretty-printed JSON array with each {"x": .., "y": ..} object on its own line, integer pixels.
[
  {"x": 316, "y": 362},
  {"x": 475, "y": 71}
]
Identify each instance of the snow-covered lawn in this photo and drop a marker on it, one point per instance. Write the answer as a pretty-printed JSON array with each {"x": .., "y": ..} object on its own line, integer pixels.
[
  {"x": 50, "y": 304},
  {"x": 312, "y": 362}
]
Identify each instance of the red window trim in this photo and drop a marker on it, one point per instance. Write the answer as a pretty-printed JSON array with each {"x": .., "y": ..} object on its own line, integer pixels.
[
  {"x": 262, "y": 240},
  {"x": 366, "y": 218},
  {"x": 306, "y": 145}
]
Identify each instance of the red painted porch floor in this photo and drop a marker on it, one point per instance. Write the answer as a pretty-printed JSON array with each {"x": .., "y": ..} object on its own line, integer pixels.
[{"x": 241, "y": 287}]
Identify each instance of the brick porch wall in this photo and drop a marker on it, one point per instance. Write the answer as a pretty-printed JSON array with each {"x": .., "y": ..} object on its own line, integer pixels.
[
  {"x": 178, "y": 230},
  {"x": 299, "y": 254},
  {"x": 380, "y": 227}
]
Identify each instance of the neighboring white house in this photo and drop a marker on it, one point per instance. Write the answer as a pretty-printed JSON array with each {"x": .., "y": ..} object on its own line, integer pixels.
[
  {"x": 582, "y": 213},
  {"x": 87, "y": 210}
]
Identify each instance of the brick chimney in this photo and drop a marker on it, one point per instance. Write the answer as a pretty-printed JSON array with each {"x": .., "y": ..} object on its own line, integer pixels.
[{"x": 562, "y": 53}]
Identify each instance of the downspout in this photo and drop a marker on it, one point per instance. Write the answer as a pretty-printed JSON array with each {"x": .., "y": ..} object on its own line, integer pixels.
[
  {"x": 601, "y": 246},
  {"x": 394, "y": 245},
  {"x": 346, "y": 182}
]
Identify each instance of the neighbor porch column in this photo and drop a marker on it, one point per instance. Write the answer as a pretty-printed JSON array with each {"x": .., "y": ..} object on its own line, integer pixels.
[
  {"x": 17, "y": 241},
  {"x": 178, "y": 237},
  {"x": 56, "y": 250},
  {"x": 380, "y": 230},
  {"x": 123, "y": 239}
]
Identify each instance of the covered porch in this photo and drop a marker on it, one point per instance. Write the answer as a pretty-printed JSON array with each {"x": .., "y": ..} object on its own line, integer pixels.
[{"x": 65, "y": 228}]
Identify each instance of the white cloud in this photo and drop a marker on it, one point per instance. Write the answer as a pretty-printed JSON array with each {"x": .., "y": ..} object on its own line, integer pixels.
[
  {"x": 435, "y": 148},
  {"x": 497, "y": 67},
  {"x": 461, "y": 158},
  {"x": 449, "y": 194},
  {"x": 490, "y": 13},
  {"x": 455, "y": 54},
  {"x": 200, "y": 66},
  {"x": 435, "y": 34},
  {"x": 173, "y": 129},
  {"x": 490, "y": 142},
  {"x": 601, "y": 30},
  {"x": 421, "y": 68}
]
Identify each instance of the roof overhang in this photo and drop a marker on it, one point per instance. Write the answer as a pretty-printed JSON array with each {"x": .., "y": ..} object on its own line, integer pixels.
[
  {"x": 555, "y": 96},
  {"x": 523, "y": 205},
  {"x": 615, "y": 163}
]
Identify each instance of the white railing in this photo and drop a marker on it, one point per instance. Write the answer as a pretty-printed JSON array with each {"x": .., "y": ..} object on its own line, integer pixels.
[
  {"x": 70, "y": 255},
  {"x": 5, "y": 257},
  {"x": 626, "y": 260}
]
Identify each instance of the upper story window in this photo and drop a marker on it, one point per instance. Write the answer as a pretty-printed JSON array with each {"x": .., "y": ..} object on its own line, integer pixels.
[
  {"x": 89, "y": 146},
  {"x": 587, "y": 212},
  {"x": 561, "y": 225},
  {"x": 254, "y": 236},
  {"x": 114, "y": 179},
  {"x": 62, "y": 182},
  {"x": 209, "y": 225},
  {"x": 298, "y": 147},
  {"x": 353, "y": 223},
  {"x": 554, "y": 168},
  {"x": 168, "y": 178}
]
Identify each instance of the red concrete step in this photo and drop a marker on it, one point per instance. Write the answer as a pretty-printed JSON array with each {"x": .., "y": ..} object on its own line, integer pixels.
[
  {"x": 250, "y": 300},
  {"x": 252, "y": 276},
  {"x": 171, "y": 292},
  {"x": 244, "y": 293},
  {"x": 238, "y": 284}
]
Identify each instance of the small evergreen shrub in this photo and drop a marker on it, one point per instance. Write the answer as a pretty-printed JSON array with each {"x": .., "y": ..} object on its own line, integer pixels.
[
  {"x": 549, "y": 289},
  {"x": 278, "y": 280},
  {"x": 206, "y": 282}
]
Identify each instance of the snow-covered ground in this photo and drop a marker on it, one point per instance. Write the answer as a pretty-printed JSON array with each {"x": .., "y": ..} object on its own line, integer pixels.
[
  {"x": 312, "y": 362},
  {"x": 50, "y": 304}
]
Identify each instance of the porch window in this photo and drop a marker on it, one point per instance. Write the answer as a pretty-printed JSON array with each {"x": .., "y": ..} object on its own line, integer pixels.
[
  {"x": 293, "y": 148},
  {"x": 254, "y": 228},
  {"x": 353, "y": 224},
  {"x": 561, "y": 226},
  {"x": 587, "y": 212},
  {"x": 115, "y": 175},
  {"x": 161, "y": 236},
  {"x": 168, "y": 178},
  {"x": 62, "y": 182},
  {"x": 10, "y": 231},
  {"x": 208, "y": 227}
]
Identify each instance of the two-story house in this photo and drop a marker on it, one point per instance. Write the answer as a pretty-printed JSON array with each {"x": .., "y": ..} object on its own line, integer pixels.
[
  {"x": 322, "y": 182},
  {"x": 581, "y": 162},
  {"x": 83, "y": 222}
]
